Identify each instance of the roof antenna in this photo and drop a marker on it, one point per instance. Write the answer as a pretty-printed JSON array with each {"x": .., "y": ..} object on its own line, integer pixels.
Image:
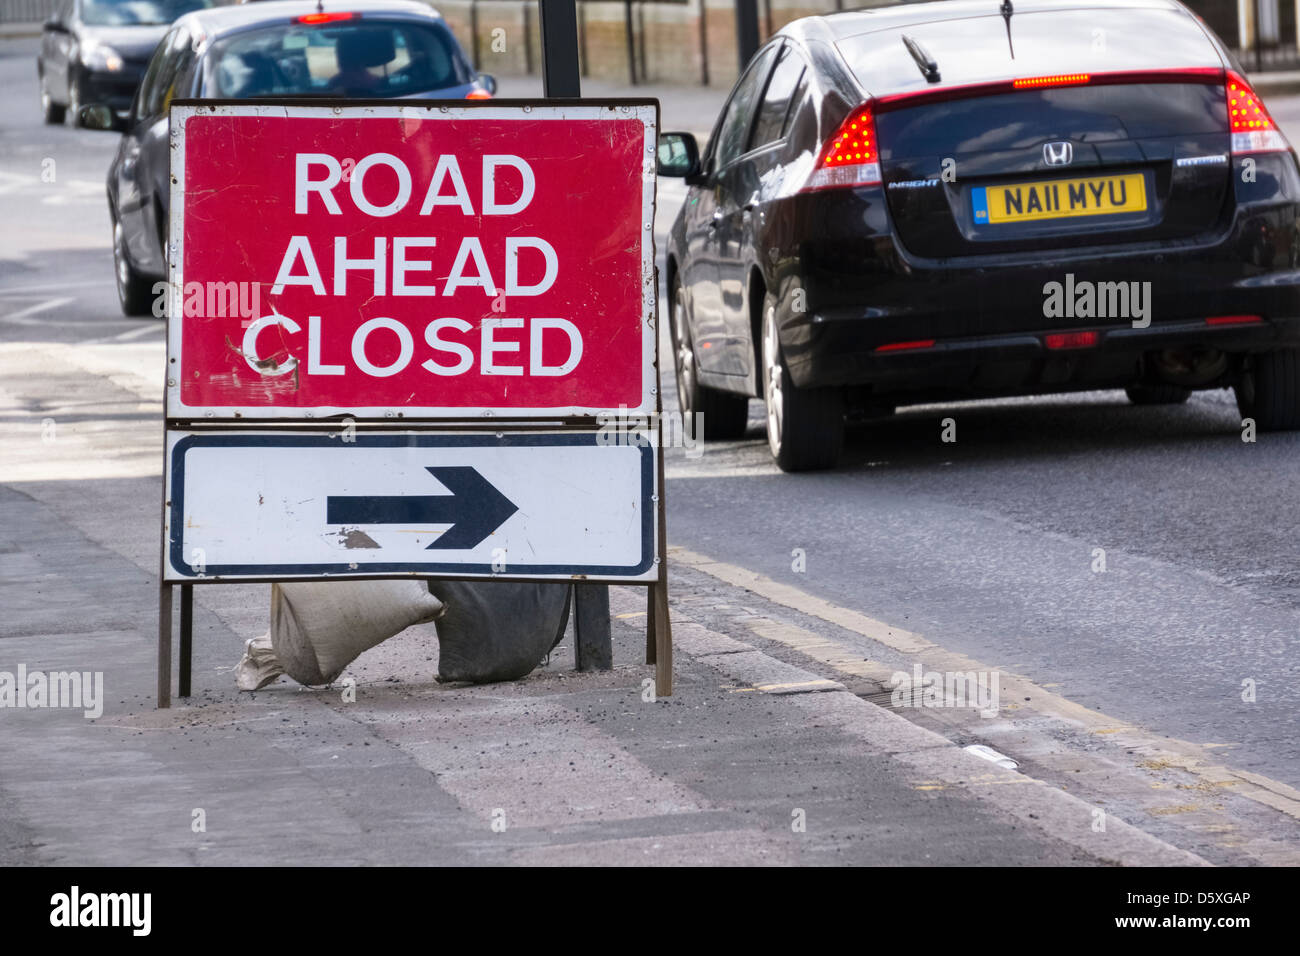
[
  {"x": 320, "y": 7},
  {"x": 1007, "y": 9}
]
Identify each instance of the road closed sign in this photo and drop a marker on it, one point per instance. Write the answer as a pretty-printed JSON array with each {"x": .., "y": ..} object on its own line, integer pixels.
[{"x": 411, "y": 261}]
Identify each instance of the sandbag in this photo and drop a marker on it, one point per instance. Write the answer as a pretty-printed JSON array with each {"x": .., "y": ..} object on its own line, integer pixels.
[
  {"x": 259, "y": 665},
  {"x": 317, "y": 629},
  {"x": 497, "y": 630}
]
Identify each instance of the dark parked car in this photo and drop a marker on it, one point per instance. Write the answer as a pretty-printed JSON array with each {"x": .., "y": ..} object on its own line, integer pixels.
[
  {"x": 95, "y": 51},
  {"x": 961, "y": 200},
  {"x": 282, "y": 48}
]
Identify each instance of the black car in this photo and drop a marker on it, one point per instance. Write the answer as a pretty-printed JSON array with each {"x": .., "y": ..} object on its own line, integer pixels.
[
  {"x": 969, "y": 199},
  {"x": 96, "y": 51},
  {"x": 282, "y": 48}
]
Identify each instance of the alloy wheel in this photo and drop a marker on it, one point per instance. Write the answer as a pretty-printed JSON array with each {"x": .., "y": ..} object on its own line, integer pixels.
[
  {"x": 773, "y": 397},
  {"x": 683, "y": 354},
  {"x": 121, "y": 268}
]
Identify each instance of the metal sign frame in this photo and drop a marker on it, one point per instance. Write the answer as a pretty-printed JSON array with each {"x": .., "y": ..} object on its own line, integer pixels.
[
  {"x": 591, "y": 599},
  {"x": 562, "y": 85}
]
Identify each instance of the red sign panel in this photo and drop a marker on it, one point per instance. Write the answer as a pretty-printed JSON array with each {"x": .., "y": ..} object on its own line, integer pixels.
[{"x": 411, "y": 261}]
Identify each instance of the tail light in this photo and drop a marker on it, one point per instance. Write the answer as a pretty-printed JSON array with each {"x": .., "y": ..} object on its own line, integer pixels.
[
  {"x": 321, "y": 17},
  {"x": 1253, "y": 130},
  {"x": 1070, "y": 340},
  {"x": 1234, "y": 320},
  {"x": 906, "y": 346},
  {"x": 477, "y": 94},
  {"x": 1056, "y": 79},
  {"x": 851, "y": 157}
]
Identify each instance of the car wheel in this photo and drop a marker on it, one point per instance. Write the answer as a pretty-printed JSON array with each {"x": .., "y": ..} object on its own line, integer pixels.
[
  {"x": 723, "y": 414},
  {"x": 134, "y": 292},
  {"x": 52, "y": 111},
  {"x": 1157, "y": 394},
  {"x": 805, "y": 426},
  {"x": 1269, "y": 391}
]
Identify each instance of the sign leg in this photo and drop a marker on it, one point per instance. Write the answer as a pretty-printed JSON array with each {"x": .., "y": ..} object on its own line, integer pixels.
[
  {"x": 650, "y": 623},
  {"x": 663, "y": 640},
  {"x": 164, "y": 646},
  {"x": 187, "y": 635},
  {"x": 592, "y": 642},
  {"x": 659, "y": 634}
]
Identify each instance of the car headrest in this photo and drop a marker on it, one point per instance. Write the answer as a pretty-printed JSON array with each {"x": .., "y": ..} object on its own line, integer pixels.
[
  {"x": 359, "y": 49},
  {"x": 247, "y": 74}
]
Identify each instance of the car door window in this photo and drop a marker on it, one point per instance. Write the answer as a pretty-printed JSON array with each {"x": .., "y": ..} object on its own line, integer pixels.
[
  {"x": 153, "y": 86},
  {"x": 733, "y": 131},
  {"x": 770, "y": 124},
  {"x": 796, "y": 101},
  {"x": 180, "y": 55}
]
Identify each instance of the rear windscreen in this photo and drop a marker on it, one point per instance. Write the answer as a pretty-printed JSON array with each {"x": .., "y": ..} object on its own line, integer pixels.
[
  {"x": 1086, "y": 114},
  {"x": 352, "y": 59},
  {"x": 976, "y": 50},
  {"x": 135, "y": 13}
]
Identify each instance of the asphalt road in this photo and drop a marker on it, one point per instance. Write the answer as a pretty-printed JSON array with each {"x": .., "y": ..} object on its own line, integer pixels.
[{"x": 985, "y": 546}]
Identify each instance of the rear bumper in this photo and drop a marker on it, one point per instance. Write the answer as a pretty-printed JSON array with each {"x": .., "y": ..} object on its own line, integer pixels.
[
  {"x": 847, "y": 284},
  {"x": 1021, "y": 363},
  {"x": 989, "y": 322}
]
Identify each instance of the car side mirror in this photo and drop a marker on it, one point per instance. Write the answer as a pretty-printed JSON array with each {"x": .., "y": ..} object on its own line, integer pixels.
[
  {"x": 489, "y": 82},
  {"x": 100, "y": 116},
  {"x": 678, "y": 156}
]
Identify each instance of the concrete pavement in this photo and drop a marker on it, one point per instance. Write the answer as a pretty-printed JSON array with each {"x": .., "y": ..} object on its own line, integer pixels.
[{"x": 560, "y": 767}]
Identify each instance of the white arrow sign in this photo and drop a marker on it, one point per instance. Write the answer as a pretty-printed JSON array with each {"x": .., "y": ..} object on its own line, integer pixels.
[{"x": 280, "y": 505}]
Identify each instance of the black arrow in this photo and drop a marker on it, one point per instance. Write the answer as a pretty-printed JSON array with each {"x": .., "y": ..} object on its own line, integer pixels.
[{"x": 474, "y": 508}]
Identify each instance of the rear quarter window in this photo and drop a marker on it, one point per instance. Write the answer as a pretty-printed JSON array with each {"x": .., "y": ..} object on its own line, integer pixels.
[
  {"x": 769, "y": 125},
  {"x": 354, "y": 59},
  {"x": 975, "y": 49}
]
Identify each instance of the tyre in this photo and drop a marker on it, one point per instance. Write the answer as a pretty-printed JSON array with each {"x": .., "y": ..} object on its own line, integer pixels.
[
  {"x": 805, "y": 426},
  {"x": 51, "y": 110},
  {"x": 1157, "y": 394},
  {"x": 1269, "y": 391},
  {"x": 724, "y": 414},
  {"x": 134, "y": 291}
]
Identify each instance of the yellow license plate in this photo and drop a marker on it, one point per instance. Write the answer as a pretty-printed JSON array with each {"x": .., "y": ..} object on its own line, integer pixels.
[{"x": 1059, "y": 199}]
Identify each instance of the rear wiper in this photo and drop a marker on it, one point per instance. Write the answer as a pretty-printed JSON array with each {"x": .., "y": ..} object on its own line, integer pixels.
[{"x": 929, "y": 68}]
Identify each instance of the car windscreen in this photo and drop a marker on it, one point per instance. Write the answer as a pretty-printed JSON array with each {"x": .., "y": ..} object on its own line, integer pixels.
[
  {"x": 131, "y": 13},
  {"x": 976, "y": 49},
  {"x": 352, "y": 58}
]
